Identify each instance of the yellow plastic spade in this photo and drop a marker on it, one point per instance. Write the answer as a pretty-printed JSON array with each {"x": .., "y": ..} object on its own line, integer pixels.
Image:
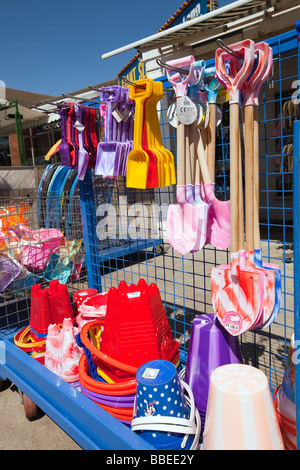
[
  {"x": 167, "y": 175},
  {"x": 150, "y": 116},
  {"x": 138, "y": 159},
  {"x": 54, "y": 149}
]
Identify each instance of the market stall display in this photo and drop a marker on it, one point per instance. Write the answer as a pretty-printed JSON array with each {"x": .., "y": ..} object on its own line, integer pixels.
[{"x": 144, "y": 349}]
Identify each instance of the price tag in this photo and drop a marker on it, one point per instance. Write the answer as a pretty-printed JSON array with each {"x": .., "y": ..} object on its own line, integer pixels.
[
  {"x": 80, "y": 127},
  {"x": 186, "y": 110},
  {"x": 133, "y": 295},
  {"x": 117, "y": 115},
  {"x": 150, "y": 373}
]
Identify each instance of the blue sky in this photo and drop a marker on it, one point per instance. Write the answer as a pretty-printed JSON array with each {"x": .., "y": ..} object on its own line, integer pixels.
[{"x": 56, "y": 46}]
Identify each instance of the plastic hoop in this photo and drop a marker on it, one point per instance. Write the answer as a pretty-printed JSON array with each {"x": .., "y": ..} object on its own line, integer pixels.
[
  {"x": 24, "y": 341},
  {"x": 96, "y": 352},
  {"x": 121, "y": 388}
]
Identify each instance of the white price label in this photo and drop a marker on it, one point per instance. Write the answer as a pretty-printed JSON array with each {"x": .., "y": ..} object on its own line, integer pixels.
[
  {"x": 186, "y": 110},
  {"x": 133, "y": 295},
  {"x": 150, "y": 373}
]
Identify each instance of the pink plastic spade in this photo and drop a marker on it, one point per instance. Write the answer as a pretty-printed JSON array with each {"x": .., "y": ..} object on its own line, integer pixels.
[
  {"x": 218, "y": 220},
  {"x": 182, "y": 219},
  {"x": 236, "y": 292},
  {"x": 251, "y": 88}
]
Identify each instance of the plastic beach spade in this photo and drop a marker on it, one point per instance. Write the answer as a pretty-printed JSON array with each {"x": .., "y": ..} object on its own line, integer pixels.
[
  {"x": 193, "y": 192},
  {"x": 243, "y": 315},
  {"x": 218, "y": 227},
  {"x": 107, "y": 152},
  {"x": 63, "y": 151},
  {"x": 165, "y": 159},
  {"x": 195, "y": 196},
  {"x": 138, "y": 159},
  {"x": 182, "y": 218},
  {"x": 261, "y": 70},
  {"x": 218, "y": 218},
  {"x": 236, "y": 292},
  {"x": 154, "y": 157},
  {"x": 265, "y": 54},
  {"x": 251, "y": 89},
  {"x": 83, "y": 156},
  {"x": 247, "y": 257},
  {"x": 252, "y": 227}
]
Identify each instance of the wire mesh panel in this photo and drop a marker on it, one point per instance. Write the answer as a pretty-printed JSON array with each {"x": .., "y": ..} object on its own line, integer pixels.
[
  {"x": 126, "y": 228},
  {"x": 267, "y": 349},
  {"x": 41, "y": 240}
]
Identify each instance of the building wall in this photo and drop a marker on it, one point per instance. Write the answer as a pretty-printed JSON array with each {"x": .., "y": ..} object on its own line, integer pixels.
[{"x": 14, "y": 150}]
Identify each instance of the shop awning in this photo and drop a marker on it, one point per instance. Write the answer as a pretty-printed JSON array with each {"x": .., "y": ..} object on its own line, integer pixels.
[
  {"x": 216, "y": 18},
  {"x": 30, "y": 118}
]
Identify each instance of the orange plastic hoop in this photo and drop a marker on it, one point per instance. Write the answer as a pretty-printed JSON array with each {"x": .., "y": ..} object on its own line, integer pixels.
[
  {"x": 100, "y": 355},
  {"x": 124, "y": 412},
  {"x": 121, "y": 388},
  {"x": 120, "y": 416},
  {"x": 286, "y": 423}
]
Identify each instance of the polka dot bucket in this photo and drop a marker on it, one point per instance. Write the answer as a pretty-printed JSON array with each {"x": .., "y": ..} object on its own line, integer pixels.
[{"x": 163, "y": 414}]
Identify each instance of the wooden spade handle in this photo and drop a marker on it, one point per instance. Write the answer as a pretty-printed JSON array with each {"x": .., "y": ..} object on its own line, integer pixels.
[
  {"x": 180, "y": 154},
  {"x": 249, "y": 179},
  {"x": 211, "y": 140},
  {"x": 197, "y": 163},
  {"x": 192, "y": 151},
  {"x": 234, "y": 177},
  {"x": 202, "y": 159},
  {"x": 256, "y": 178},
  {"x": 188, "y": 170},
  {"x": 241, "y": 199}
]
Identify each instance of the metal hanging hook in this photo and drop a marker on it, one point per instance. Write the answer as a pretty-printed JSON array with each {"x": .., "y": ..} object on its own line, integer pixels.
[
  {"x": 65, "y": 105},
  {"x": 58, "y": 103},
  {"x": 43, "y": 110},
  {"x": 137, "y": 85},
  {"x": 89, "y": 100},
  {"x": 228, "y": 49},
  {"x": 93, "y": 88},
  {"x": 171, "y": 68}
]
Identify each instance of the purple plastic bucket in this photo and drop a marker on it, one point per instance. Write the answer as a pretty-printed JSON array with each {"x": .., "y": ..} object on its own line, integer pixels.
[{"x": 211, "y": 346}]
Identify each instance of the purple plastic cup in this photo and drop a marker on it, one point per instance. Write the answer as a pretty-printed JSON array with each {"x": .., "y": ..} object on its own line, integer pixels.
[{"x": 211, "y": 346}]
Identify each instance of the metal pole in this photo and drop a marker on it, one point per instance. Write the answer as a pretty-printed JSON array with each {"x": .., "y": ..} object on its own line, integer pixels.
[
  {"x": 19, "y": 133},
  {"x": 296, "y": 216},
  {"x": 88, "y": 215},
  {"x": 32, "y": 147}
]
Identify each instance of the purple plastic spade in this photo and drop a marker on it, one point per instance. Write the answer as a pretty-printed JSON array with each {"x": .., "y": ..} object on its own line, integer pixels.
[
  {"x": 63, "y": 151},
  {"x": 83, "y": 156},
  {"x": 110, "y": 153}
]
